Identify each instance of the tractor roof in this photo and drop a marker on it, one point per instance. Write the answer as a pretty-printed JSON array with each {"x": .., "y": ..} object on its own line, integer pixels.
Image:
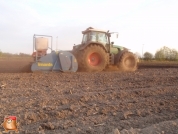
[{"x": 93, "y": 29}]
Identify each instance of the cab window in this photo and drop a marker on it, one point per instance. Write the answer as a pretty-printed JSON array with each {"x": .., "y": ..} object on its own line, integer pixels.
[
  {"x": 102, "y": 38},
  {"x": 96, "y": 37},
  {"x": 84, "y": 38}
]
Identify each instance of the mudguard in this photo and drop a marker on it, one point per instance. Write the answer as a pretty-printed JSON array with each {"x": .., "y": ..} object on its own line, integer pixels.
[{"x": 118, "y": 56}]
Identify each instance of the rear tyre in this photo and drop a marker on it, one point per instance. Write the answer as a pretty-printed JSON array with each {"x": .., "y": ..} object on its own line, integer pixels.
[
  {"x": 92, "y": 59},
  {"x": 127, "y": 62}
]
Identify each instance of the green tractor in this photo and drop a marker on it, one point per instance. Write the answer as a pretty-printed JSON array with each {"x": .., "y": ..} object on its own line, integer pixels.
[{"x": 96, "y": 52}]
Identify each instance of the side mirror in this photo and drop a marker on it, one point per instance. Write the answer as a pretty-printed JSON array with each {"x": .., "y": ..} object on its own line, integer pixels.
[{"x": 112, "y": 43}]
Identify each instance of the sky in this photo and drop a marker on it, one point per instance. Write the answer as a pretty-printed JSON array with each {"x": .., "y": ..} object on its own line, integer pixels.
[{"x": 143, "y": 25}]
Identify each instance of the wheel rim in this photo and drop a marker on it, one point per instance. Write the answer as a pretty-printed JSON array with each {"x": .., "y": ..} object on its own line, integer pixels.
[{"x": 94, "y": 59}]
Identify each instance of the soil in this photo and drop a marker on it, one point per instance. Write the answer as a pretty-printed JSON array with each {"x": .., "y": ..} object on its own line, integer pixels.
[
  {"x": 149, "y": 64},
  {"x": 15, "y": 65},
  {"x": 111, "y": 102}
]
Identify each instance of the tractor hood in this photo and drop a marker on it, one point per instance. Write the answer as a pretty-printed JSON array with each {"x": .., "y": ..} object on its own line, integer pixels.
[
  {"x": 76, "y": 46},
  {"x": 120, "y": 47}
]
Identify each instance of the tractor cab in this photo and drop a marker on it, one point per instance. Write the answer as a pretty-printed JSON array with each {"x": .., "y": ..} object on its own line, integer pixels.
[
  {"x": 100, "y": 37},
  {"x": 93, "y": 35}
]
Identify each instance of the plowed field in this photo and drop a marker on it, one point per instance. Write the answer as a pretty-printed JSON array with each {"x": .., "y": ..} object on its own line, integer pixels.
[
  {"x": 15, "y": 65},
  {"x": 143, "y": 102}
]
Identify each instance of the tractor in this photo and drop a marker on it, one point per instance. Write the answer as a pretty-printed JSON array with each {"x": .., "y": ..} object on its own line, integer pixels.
[{"x": 96, "y": 52}]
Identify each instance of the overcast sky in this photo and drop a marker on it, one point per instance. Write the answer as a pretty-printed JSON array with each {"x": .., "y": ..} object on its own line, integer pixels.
[{"x": 153, "y": 23}]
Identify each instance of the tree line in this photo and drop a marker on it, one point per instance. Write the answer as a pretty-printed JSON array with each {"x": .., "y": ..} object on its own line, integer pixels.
[
  {"x": 163, "y": 54},
  {"x": 4, "y": 54}
]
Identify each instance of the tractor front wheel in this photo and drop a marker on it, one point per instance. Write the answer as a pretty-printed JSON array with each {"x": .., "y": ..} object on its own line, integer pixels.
[{"x": 127, "y": 62}]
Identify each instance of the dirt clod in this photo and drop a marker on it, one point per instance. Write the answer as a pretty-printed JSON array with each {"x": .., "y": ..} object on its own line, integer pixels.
[
  {"x": 48, "y": 126},
  {"x": 116, "y": 131}
]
